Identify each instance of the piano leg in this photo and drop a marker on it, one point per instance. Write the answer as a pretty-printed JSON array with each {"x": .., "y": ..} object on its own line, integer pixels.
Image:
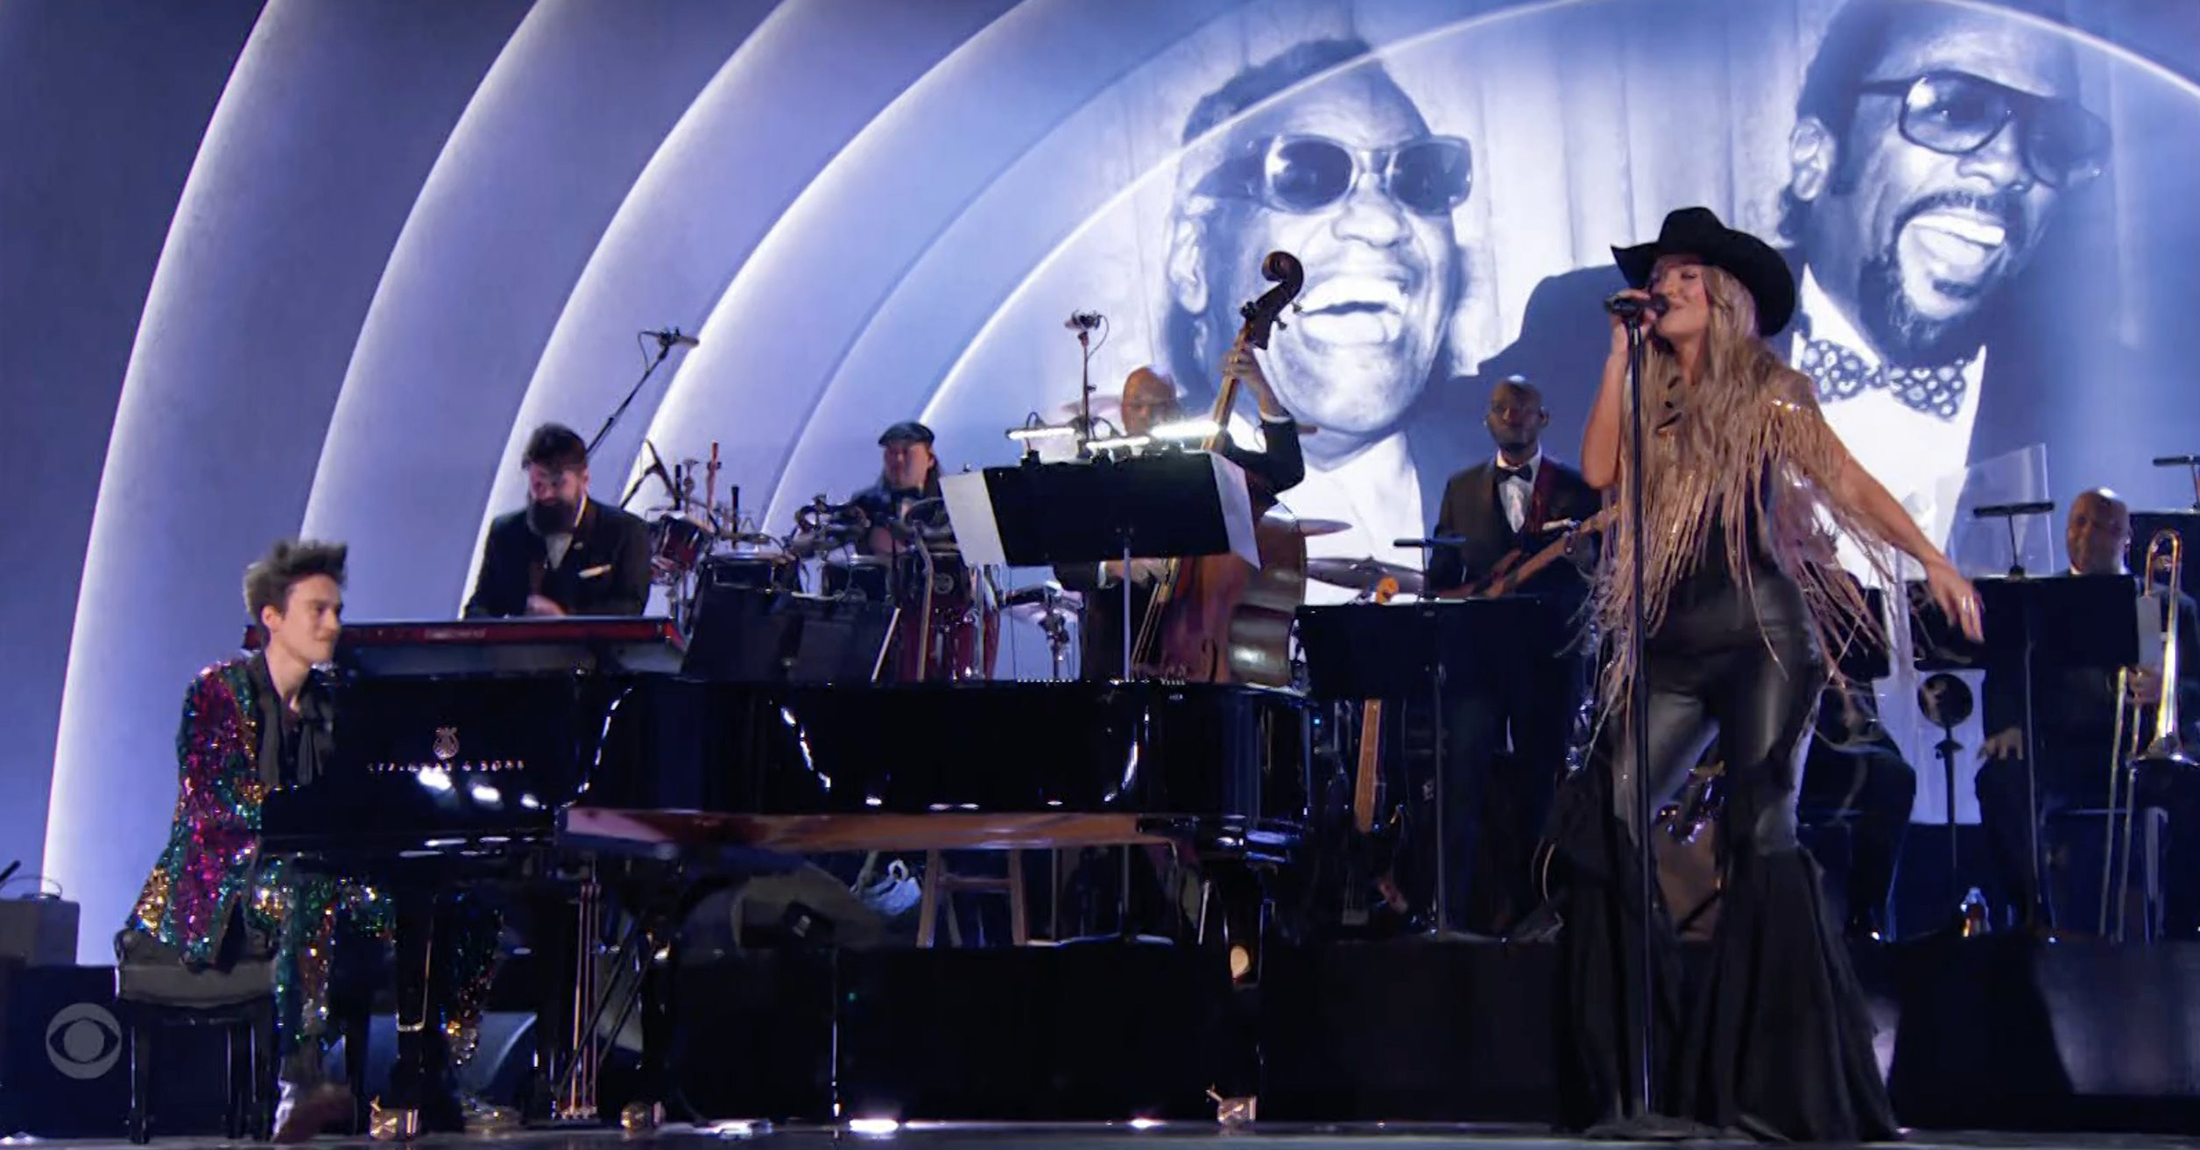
[
  {"x": 1233, "y": 917},
  {"x": 397, "y": 1115},
  {"x": 659, "y": 956}
]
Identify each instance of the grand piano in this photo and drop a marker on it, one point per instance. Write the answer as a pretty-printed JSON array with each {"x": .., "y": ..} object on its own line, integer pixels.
[{"x": 544, "y": 750}]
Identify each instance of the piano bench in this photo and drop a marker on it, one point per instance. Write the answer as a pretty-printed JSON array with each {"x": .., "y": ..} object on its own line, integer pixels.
[
  {"x": 939, "y": 881},
  {"x": 154, "y": 991}
]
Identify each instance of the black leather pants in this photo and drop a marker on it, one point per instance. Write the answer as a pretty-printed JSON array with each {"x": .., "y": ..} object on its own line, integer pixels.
[{"x": 1746, "y": 673}]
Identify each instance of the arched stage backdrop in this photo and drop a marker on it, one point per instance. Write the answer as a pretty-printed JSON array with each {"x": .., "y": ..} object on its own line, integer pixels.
[{"x": 300, "y": 265}]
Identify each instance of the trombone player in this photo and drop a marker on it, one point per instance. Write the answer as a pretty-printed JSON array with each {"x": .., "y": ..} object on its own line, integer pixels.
[{"x": 2075, "y": 718}]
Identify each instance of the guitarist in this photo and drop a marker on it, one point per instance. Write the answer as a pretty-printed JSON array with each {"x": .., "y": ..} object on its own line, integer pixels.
[{"x": 1506, "y": 734}]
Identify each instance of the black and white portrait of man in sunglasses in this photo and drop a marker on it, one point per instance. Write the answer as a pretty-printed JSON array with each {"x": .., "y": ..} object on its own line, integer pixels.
[
  {"x": 1934, "y": 146},
  {"x": 1327, "y": 158}
]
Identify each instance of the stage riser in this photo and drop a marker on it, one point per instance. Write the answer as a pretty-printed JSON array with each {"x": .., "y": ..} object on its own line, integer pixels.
[{"x": 1998, "y": 1033}]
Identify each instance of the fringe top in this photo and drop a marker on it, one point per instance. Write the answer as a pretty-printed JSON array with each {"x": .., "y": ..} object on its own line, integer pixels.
[{"x": 1749, "y": 458}]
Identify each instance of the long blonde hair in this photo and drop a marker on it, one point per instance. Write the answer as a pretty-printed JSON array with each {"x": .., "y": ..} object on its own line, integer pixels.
[{"x": 1741, "y": 447}]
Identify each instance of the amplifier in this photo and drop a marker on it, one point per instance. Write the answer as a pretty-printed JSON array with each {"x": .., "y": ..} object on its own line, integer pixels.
[{"x": 38, "y": 931}]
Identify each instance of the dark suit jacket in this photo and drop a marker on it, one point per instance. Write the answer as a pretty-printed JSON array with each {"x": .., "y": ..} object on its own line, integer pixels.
[
  {"x": 605, "y": 570},
  {"x": 1100, "y": 643},
  {"x": 2074, "y": 705},
  {"x": 1472, "y": 509}
]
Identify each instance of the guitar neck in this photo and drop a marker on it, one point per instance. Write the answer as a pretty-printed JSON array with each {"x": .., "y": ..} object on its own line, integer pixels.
[{"x": 1364, "y": 777}]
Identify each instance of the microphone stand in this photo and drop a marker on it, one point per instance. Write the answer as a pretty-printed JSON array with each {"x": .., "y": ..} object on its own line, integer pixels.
[
  {"x": 1638, "y": 714},
  {"x": 1084, "y": 399},
  {"x": 665, "y": 344}
]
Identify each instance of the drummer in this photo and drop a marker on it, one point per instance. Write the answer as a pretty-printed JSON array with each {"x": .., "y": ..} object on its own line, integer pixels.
[
  {"x": 909, "y": 476},
  {"x": 564, "y": 553},
  {"x": 908, "y": 526},
  {"x": 1149, "y": 400}
]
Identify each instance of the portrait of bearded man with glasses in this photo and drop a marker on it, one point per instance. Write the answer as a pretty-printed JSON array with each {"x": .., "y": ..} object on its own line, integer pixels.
[
  {"x": 1934, "y": 146},
  {"x": 1318, "y": 152},
  {"x": 1933, "y": 149}
]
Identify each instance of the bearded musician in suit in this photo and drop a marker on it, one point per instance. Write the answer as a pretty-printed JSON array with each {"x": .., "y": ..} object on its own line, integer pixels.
[
  {"x": 565, "y": 553},
  {"x": 1510, "y": 506}
]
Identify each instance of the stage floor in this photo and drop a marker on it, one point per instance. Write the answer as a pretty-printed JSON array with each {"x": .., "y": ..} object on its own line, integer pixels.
[{"x": 1003, "y": 1136}]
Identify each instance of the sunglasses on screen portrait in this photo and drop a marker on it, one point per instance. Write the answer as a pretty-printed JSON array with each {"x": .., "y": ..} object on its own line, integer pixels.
[
  {"x": 1957, "y": 113},
  {"x": 1428, "y": 176}
]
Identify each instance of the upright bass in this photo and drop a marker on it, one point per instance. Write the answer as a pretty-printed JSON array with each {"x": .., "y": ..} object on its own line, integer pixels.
[{"x": 1215, "y": 618}]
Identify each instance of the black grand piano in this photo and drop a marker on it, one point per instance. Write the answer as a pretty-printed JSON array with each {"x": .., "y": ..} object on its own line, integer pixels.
[{"x": 494, "y": 751}]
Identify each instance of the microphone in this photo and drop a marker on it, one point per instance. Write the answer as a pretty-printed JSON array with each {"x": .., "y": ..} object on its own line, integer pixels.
[
  {"x": 1627, "y": 307},
  {"x": 673, "y": 337},
  {"x": 2177, "y": 460},
  {"x": 1082, "y": 320}
]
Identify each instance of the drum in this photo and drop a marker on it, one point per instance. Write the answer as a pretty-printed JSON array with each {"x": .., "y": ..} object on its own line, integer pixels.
[
  {"x": 957, "y": 642},
  {"x": 867, "y": 578},
  {"x": 752, "y": 572},
  {"x": 675, "y": 543}
]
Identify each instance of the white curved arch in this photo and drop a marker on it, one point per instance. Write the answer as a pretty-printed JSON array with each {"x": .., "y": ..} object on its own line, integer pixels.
[
  {"x": 278, "y": 240},
  {"x": 838, "y": 249},
  {"x": 543, "y": 157},
  {"x": 809, "y": 79}
]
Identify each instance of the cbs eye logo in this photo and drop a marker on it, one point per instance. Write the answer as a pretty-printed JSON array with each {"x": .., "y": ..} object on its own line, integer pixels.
[{"x": 83, "y": 1041}]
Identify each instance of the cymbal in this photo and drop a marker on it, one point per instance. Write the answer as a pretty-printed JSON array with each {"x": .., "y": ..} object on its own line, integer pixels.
[
  {"x": 1362, "y": 574},
  {"x": 1036, "y": 604},
  {"x": 1322, "y": 526}
]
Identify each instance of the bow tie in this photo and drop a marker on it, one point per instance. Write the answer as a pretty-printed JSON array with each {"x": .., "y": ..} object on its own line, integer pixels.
[
  {"x": 1842, "y": 374},
  {"x": 1525, "y": 472}
]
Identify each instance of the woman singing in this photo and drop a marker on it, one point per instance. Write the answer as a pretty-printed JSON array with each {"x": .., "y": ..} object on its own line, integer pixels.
[{"x": 1741, "y": 478}]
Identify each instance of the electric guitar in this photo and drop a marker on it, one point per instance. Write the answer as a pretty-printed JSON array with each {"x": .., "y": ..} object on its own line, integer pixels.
[
  {"x": 1370, "y": 852},
  {"x": 1517, "y": 567}
]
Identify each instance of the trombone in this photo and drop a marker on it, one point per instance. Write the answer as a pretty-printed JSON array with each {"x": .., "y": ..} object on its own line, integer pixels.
[{"x": 2163, "y": 569}]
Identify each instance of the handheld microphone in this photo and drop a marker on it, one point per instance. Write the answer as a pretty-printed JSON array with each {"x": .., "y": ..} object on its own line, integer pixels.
[
  {"x": 673, "y": 337},
  {"x": 1629, "y": 308}
]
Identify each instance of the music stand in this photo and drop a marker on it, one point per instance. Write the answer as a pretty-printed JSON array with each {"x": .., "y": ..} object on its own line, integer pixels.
[
  {"x": 1163, "y": 506},
  {"x": 747, "y": 635},
  {"x": 2024, "y": 620},
  {"x": 1397, "y": 650}
]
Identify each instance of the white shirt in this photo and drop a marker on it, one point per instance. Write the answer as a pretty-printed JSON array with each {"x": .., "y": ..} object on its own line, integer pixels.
[
  {"x": 1378, "y": 492},
  {"x": 1517, "y": 491},
  {"x": 1918, "y": 456},
  {"x": 557, "y": 543}
]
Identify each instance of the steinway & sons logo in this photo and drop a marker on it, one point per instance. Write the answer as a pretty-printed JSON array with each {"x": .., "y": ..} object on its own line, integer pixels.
[{"x": 445, "y": 749}]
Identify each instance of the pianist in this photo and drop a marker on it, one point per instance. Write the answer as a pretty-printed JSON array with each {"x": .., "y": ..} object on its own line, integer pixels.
[
  {"x": 564, "y": 554},
  {"x": 250, "y": 724},
  {"x": 2074, "y": 717}
]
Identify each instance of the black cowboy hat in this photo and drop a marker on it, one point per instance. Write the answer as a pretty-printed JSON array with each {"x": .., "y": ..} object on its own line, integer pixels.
[{"x": 1697, "y": 232}]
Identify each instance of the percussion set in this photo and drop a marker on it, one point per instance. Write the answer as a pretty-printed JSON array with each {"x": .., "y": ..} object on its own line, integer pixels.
[
  {"x": 950, "y": 612},
  {"x": 695, "y": 544}
]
